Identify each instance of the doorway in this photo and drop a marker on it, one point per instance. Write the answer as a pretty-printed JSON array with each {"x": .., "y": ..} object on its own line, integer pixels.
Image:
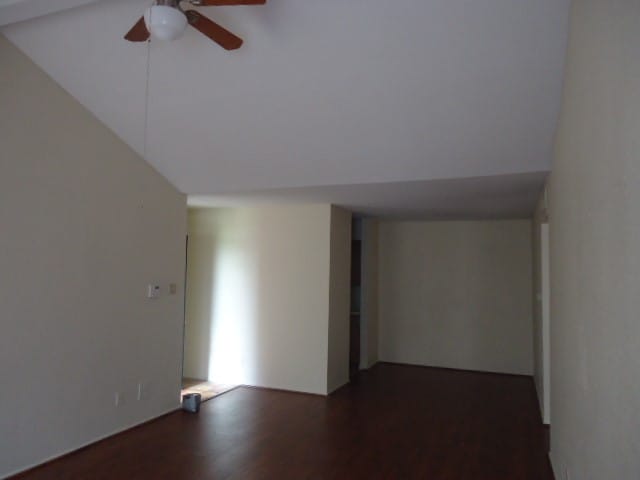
[
  {"x": 355, "y": 314},
  {"x": 197, "y": 323}
]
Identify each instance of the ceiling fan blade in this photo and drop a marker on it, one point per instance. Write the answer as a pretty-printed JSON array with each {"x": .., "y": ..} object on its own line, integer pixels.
[
  {"x": 215, "y": 32},
  {"x": 138, "y": 32},
  {"x": 213, "y": 3}
]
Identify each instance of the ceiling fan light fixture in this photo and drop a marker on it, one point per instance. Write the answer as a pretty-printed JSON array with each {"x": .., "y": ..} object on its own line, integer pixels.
[{"x": 165, "y": 22}]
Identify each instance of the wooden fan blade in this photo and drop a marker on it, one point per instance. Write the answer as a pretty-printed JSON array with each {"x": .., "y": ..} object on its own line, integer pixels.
[
  {"x": 138, "y": 32},
  {"x": 215, "y": 32},
  {"x": 213, "y": 3}
]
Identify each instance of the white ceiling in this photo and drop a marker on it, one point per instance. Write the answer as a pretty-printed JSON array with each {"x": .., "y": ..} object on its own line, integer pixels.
[
  {"x": 12, "y": 11},
  {"x": 325, "y": 93}
]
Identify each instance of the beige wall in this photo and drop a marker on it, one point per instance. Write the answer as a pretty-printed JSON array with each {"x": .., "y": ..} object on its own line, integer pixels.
[
  {"x": 595, "y": 248},
  {"x": 339, "y": 299},
  {"x": 258, "y": 296},
  {"x": 457, "y": 294},
  {"x": 369, "y": 300},
  {"x": 85, "y": 225}
]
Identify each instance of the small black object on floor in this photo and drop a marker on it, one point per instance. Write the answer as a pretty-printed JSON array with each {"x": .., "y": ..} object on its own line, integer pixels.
[{"x": 191, "y": 402}]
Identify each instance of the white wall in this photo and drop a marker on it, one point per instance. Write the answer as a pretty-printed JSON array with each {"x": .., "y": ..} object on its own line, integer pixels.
[
  {"x": 457, "y": 294},
  {"x": 339, "y": 299},
  {"x": 258, "y": 291},
  {"x": 85, "y": 225},
  {"x": 595, "y": 248},
  {"x": 369, "y": 300}
]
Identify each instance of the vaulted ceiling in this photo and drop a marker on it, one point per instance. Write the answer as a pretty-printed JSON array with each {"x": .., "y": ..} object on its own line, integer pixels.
[
  {"x": 12, "y": 11},
  {"x": 325, "y": 94}
]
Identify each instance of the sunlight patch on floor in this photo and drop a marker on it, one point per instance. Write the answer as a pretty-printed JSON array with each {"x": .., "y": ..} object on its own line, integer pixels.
[{"x": 206, "y": 389}]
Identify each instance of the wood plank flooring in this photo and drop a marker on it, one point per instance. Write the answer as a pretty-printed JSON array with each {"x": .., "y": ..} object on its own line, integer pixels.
[{"x": 393, "y": 422}]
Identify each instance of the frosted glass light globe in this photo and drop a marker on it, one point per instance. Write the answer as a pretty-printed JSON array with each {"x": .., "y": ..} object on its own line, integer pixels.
[{"x": 164, "y": 22}]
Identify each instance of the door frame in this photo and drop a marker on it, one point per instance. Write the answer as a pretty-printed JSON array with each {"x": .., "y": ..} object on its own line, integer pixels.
[{"x": 545, "y": 300}]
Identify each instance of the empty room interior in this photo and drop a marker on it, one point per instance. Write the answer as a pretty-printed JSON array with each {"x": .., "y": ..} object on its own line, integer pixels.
[{"x": 292, "y": 239}]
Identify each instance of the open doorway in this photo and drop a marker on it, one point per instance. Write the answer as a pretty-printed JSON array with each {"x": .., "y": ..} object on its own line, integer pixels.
[
  {"x": 355, "y": 315},
  {"x": 363, "y": 351},
  {"x": 197, "y": 324}
]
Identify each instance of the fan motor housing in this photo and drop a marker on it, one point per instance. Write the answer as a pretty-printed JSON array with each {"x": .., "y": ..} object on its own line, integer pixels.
[{"x": 169, "y": 3}]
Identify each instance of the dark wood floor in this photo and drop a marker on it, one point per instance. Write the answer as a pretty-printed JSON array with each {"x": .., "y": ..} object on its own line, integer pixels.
[{"x": 394, "y": 422}]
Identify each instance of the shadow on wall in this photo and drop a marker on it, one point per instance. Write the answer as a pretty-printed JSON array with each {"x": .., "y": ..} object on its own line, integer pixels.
[{"x": 200, "y": 275}]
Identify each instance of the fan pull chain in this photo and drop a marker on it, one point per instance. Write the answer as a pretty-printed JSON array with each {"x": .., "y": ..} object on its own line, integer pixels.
[{"x": 146, "y": 102}]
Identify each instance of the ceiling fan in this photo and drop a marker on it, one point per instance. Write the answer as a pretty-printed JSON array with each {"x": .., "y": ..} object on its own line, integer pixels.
[{"x": 167, "y": 20}]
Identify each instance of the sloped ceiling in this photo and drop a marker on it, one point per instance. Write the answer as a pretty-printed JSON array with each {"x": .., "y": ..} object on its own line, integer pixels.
[
  {"x": 322, "y": 93},
  {"x": 12, "y": 11}
]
